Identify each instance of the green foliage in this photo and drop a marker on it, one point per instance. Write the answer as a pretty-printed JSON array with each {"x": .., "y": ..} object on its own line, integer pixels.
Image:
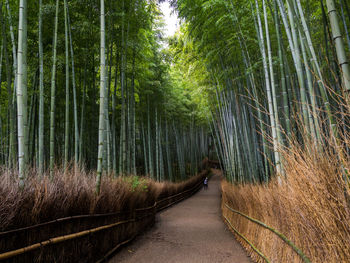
[{"x": 137, "y": 183}]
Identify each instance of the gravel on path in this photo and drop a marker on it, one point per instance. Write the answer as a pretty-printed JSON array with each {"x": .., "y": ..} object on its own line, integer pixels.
[{"x": 189, "y": 232}]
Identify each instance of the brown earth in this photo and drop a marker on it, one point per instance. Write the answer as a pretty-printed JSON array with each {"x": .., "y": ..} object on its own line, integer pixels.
[{"x": 192, "y": 231}]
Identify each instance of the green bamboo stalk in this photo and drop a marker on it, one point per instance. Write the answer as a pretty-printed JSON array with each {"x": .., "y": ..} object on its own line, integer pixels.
[
  {"x": 133, "y": 117},
  {"x": 157, "y": 145},
  {"x": 344, "y": 23},
  {"x": 114, "y": 134},
  {"x": 25, "y": 86},
  {"x": 122, "y": 157},
  {"x": 150, "y": 159},
  {"x": 269, "y": 97},
  {"x": 66, "y": 133},
  {"x": 282, "y": 72},
  {"x": 144, "y": 149},
  {"x": 317, "y": 70},
  {"x": 102, "y": 96},
  {"x": 82, "y": 120},
  {"x": 53, "y": 94},
  {"x": 12, "y": 146},
  {"x": 11, "y": 111},
  {"x": 14, "y": 52},
  {"x": 41, "y": 90},
  {"x": 75, "y": 106},
  {"x": 298, "y": 65},
  {"x": 168, "y": 156},
  {"x": 20, "y": 92},
  {"x": 339, "y": 45}
]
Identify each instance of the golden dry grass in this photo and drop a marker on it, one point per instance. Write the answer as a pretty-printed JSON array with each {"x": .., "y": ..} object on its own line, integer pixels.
[
  {"x": 69, "y": 194},
  {"x": 310, "y": 207}
]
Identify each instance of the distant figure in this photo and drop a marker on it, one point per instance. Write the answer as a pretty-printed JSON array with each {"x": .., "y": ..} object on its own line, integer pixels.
[{"x": 206, "y": 183}]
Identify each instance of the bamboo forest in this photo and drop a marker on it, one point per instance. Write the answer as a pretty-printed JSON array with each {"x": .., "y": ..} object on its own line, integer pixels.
[{"x": 175, "y": 131}]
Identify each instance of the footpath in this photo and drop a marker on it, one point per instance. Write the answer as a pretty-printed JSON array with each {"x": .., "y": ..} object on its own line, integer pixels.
[{"x": 189, "y": 232}]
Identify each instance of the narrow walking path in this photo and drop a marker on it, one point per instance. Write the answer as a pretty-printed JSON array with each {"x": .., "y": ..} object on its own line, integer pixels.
[{"x": 189, "y": 232}]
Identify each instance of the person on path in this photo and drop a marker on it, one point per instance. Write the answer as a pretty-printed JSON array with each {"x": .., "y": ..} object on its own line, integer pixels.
[{"x": 206, "y": 183}]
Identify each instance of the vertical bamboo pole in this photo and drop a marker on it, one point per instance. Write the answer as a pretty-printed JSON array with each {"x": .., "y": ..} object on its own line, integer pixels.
[
  {"x": 41, "y": 91},
  {"x": 102, "y": 96},
  {"x": 20, "y": 92},
  {"x": 339, "y": 45},
  {"x": 53, "y": 94}
]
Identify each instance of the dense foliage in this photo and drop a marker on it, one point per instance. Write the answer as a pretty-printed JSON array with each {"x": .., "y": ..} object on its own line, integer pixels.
[
  {"x": 279, "y": 70},
  {"x": 152, "y": 118}
]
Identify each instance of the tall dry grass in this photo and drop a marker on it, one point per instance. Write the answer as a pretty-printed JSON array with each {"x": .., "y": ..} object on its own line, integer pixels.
[
  {"x": 69, "y": 194},
  {"x": 310, "y": 207}
]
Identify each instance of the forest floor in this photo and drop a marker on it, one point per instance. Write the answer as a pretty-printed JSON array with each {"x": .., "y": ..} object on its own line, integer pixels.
[{"x": 192, "y": 231}]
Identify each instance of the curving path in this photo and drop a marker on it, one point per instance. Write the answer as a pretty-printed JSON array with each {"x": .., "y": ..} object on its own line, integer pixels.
[{"x": 189, "y": 232}]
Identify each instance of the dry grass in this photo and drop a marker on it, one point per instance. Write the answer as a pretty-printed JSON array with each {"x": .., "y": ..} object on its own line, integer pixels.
[
  {"x": 310, "y": 207},
  {"x": 69, "y": 194}
]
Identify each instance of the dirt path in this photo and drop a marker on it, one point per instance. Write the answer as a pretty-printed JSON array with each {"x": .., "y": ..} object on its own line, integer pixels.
[{"x": 191, "y": 231}]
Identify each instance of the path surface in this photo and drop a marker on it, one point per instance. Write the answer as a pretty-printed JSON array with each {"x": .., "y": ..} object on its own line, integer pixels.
[{"x": 189, "y": 232}]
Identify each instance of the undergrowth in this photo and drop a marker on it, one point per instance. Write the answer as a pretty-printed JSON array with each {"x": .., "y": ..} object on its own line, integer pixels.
[
  {"x": 73, "y": 193},
  {"x": 310, "y": 206}
]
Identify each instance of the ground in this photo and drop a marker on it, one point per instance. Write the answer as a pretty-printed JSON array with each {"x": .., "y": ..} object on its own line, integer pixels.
[{"x": 189, "y": 232}]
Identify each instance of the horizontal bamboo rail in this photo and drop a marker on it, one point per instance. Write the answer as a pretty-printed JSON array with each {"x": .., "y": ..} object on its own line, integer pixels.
[
  {"x": 195, "y": 188},
  {"x": 70, "y": 218},
  {"x": 64, "y": 238},
  {"x": 60, "y": 220},
  {"x": 246, "y": 240},
  {"x": 60, "y": 239},
  {"x": 279, "y": 234}
]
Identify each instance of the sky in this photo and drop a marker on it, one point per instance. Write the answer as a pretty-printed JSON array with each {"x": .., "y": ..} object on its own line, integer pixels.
[{"x": 171, "y": 20}]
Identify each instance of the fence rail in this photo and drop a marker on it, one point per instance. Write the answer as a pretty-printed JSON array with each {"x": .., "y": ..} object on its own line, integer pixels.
[
  {"x": 279, "y": 234},
  {"x": 133, "y": 218}
]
